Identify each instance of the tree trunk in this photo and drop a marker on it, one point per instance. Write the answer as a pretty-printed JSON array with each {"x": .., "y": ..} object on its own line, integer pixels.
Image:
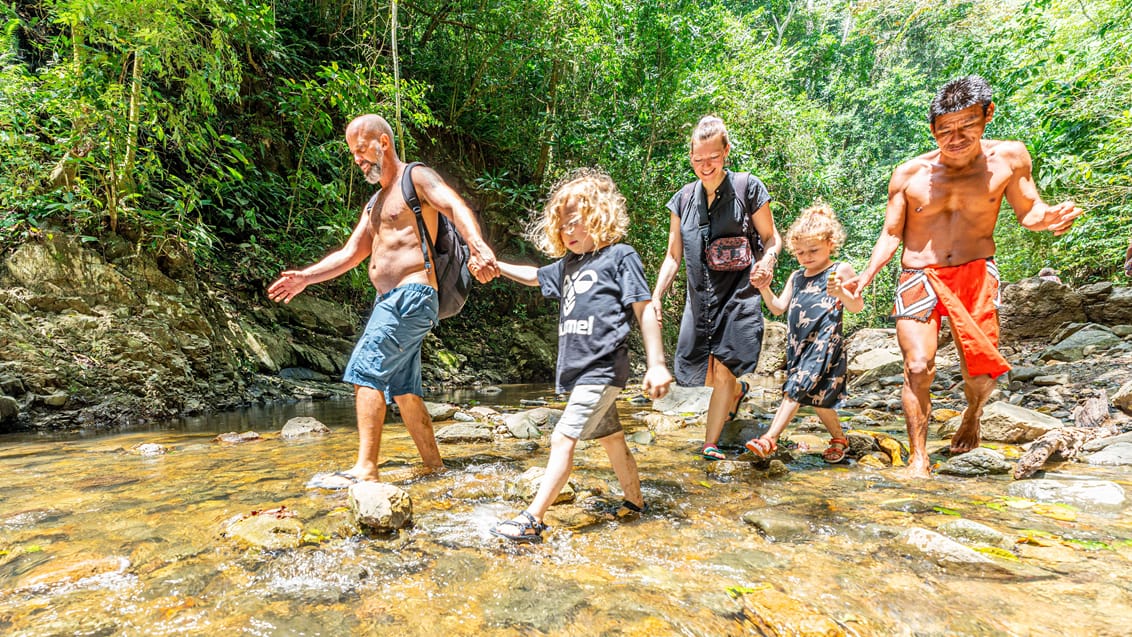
[{"x": 1067, "y": 440}]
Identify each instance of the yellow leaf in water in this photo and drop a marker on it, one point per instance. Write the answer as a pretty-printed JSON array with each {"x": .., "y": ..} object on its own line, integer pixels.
[
  {"x": 994, "y": 551},
  {"x": 738, "y": 591},
  {"x": 1061, "y": 512},
  {"x": 1018, "y": 503},
  {"x": 704, "y": 483},
  {"x": 1035, "y": 540}
]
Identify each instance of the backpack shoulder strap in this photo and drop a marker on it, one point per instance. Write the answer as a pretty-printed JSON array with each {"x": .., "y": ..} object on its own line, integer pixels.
[{"x": 409, "y": 193}]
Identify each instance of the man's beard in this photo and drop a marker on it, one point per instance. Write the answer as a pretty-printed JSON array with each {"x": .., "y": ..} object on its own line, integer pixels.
[{"x": 373, "y": 174}]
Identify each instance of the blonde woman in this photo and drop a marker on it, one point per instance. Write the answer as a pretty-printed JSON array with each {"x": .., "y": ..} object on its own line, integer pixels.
[{"x": 722, "y": 229}]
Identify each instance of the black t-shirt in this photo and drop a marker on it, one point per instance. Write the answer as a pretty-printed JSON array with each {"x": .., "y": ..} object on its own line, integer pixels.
[{"x": 597, "y": 291}]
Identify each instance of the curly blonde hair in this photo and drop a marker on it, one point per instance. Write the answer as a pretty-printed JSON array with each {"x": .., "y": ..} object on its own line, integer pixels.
[
  {"x": 601, "y": 205},
  {"x": 818, "y": 222}
]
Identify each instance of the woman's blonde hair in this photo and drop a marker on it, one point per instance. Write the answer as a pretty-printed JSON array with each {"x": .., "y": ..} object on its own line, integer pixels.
[
  {"x": 598, "y": 201},
  {"x": 709, "y": 127},
  {"x": 817, "y": 222}
]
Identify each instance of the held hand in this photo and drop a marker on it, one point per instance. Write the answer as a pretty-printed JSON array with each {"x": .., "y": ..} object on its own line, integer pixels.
[
  {"x": 656, "y": 305},
  {"x": 289, "y": 285},
  {"x": 852, "y": 287},
  {"x": 483, "y": 266},
  {"x": 763, "y": 273},
  {"x": 1062, "y": 216},
  {"x": 656, "y": 381}
]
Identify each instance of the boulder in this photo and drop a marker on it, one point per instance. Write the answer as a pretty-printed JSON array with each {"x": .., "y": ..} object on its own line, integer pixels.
[
  {"x": 772, "y": 356},
  {"x": 1122, "y": 399},
  {"x": 233, "y": 438},
  {"x": 1119, "y": 454},
  {"x": 942, "y": 550},
  {"x": 379, "y": 506},
  {"x": 1004, "y": 422},
  {"x": 1097, "y": 444},
  {"x": 462, "y": 433},
  {"x": 440, "y": 411},
  {"x": 530, "y": 424},
  {"x": 1073, "y": 347},
  {"x": 9, "y": 409},
  {"x": 303, "y": 427},
  {"x": 684, "y": 400},
  {"x": 1036, "y": 308},
  {"x": 871, "y": 348},
  {"x": 270, "y": 530},
  {"x": 1085, "y": 493},
  {"x": 977, "y": 462},
  {"x": 1114, "y": 309},
  {"x": 526, "y": 486}
]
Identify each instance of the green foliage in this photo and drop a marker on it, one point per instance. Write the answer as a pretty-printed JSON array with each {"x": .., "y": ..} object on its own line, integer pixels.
[{"x": 219, "y": 124}]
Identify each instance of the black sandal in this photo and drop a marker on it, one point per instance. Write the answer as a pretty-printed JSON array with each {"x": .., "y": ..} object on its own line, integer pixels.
[
  {"x": 529, "y": 531},
  {"x": 629, "y": 511}
]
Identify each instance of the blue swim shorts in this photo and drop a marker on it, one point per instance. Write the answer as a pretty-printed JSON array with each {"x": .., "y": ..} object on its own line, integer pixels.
[{"x": 388, "y": 356}]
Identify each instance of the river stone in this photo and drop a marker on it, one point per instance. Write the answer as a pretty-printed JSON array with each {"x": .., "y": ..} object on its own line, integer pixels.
[
  {"x": 1097, "y": 444},
  {"x": 971, "y": 531},
  {"x": 302, "y": 373},
  {"x": 532, "y": 599},
  {"x": 9, "y": 409},
  {"x": 976, "y": 462},
  {"x": 870, "y": 348},
  {"x": 149, "y": 449},
  {"x": 1052, "y": 380},
  {"x": 1116, "y": 309},
  {"x": 55, "y": 399},
  {"x": 772, "y": 356},
  {"x": 380, "y": 506},
  {"x": 1122, "y": 399},
  {"x": 487, "y": 414},
  {"x": 1123, "y": 331},
  {"x": 1086, "y": 493},
  {"x": 1025, "y": 374},
  {"x": 730, "y": 470},
  {"x": 663, "y": 423},
  {"x": 954, "y": 556},
  {"x": 889, "y": 374},
  {"x": 461, "y": 433},
  {"x": 233, "y": 438},
  {"x": 303, "y": 426},
  {"x": 1035, "y": 308},
  {"x": 526, "y": 486},
  {"x": 491, "y": 390},
  {"x": 1003, "y": 422},
  {"x": 779, "y": 527},
  {"x": 1119, "y": 454},
  {"x": 440, "y": 411},
  {"x": 527, "y": 424},
  {"x": 463, "y": 417},
  {"x": 643, "y": 437},
  {"x": 684, "y": 400},
  {"x": 571, "y": 517},
  {"x": 1073, "y": 348},
  {"x": 267, "y": 531}
]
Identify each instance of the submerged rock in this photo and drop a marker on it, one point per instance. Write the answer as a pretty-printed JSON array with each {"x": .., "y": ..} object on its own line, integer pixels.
[
  {"x": 149, "y": 449},
  {"x": 1119, "y": 454},
  {"x": 1086, "y": 493},
  {"x": 779, "y": 527},
  {"x": 233, "y": 438},
  {"x": 268, "y": 530},
  {"x": 302, "y": 427},
  {"x": 972, "y": 531},
  {"x": 379, "y": 506},
  {"x": 526, "y": 486},
  {"x": 977, "y": 462}
]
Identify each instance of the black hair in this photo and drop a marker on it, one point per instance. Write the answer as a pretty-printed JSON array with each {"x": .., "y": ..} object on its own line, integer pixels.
[{"x": 961, "y": 93}]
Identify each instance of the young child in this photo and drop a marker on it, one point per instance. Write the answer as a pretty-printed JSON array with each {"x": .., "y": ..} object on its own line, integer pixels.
[
  {"x": 601, "y": 285},
  {"x": 815, "y": 348}
]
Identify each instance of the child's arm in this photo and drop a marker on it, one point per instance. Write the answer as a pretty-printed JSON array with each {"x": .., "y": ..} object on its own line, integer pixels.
[
  {"x": 844, "y": 272},
  {"x": 525, "y": 274},
  {"x": 778, "y": 304},
  {"x": 657, "y": 379}
]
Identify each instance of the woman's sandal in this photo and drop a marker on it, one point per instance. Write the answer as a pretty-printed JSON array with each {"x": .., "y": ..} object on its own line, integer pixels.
[
  {"x": 835, "y": 453},
  {"x": 743, "y": 389},
  {"x": 525, "y": 531},
  {"x": 630, "y": 511},
  {"x": 711, "y": 452},
  {"x": 761, "y": 447}
]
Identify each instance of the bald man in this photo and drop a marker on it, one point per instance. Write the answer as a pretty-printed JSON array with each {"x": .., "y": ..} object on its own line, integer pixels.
[{"x": 386, "y": 362}]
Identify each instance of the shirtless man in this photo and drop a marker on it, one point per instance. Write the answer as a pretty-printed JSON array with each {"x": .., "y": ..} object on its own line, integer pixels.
[
  {"x": 943, "y": 206},
  {"x": 387, "y": 360}
]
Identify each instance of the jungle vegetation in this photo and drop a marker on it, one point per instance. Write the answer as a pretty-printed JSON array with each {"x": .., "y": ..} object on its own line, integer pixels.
[{"x": 215, "y": 126}]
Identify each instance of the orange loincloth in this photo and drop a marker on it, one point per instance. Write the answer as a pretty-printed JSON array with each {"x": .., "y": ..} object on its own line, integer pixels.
[{"x": 969, "y": 295}]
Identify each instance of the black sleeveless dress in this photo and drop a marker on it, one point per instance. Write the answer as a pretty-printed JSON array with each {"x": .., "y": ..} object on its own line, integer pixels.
[{"x": 815, "y": 348}]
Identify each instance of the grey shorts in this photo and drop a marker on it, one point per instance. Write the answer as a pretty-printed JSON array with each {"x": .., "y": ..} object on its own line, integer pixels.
[{"x": 591, "y": 413}]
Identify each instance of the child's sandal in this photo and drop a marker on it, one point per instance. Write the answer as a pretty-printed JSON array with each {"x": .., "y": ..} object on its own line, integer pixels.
[
  {"x": 529, "y": 530},
  {"x": 761, "y": 447},
  {"x": 836, "y": 451}
]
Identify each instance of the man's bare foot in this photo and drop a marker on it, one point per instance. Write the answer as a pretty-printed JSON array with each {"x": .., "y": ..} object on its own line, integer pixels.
[
  {"x": 918, "y": 468},
  {"x": 966, "y": 438}
]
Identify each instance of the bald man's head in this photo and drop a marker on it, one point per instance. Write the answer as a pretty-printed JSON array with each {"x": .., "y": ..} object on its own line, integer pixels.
[{"x": 364, "y": 135}]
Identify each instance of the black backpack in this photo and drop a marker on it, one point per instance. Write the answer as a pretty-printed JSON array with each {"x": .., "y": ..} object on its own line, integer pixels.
[{"x": 450, "y": 252}]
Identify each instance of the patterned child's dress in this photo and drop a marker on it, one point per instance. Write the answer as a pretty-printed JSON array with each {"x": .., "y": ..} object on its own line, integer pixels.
[{"x": 815, "y": 348}]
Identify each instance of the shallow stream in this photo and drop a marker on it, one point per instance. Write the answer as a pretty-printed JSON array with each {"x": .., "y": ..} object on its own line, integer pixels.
[{"x": 98, "y": 541}]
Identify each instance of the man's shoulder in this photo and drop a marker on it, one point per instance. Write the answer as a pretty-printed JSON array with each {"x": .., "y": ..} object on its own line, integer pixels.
[
  {"x": 918, "y": 165},
  {"x": 1006, "y": 149}
]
